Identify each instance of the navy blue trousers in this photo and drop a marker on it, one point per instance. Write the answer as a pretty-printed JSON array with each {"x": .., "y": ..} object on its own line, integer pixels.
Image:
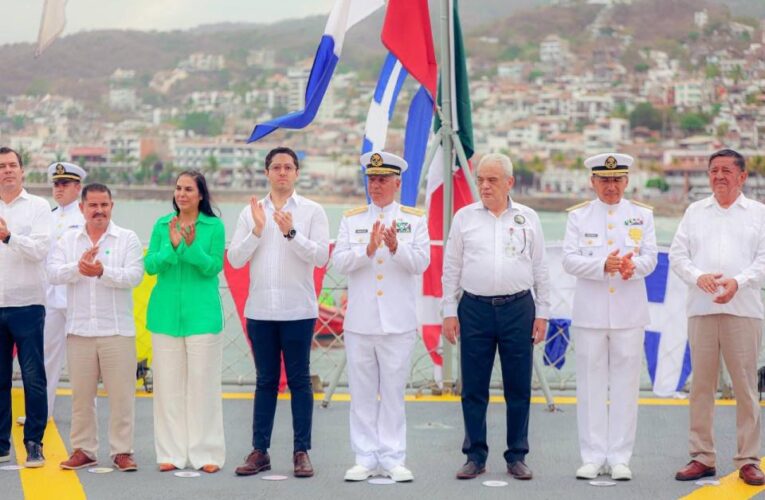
[
  {"x": 23, "y": 326},
  {"x": 271, "y": 339},
  {"x": 484, "y": 328}
]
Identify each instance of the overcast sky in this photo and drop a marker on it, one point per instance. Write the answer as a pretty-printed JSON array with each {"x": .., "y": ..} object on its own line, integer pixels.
[{"x": 22, "y": 17}]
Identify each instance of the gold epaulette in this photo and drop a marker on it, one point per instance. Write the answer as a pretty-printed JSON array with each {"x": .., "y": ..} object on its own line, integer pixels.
[
  {"x": 355, "y": 211},
  {"x": 649, "y": 207},
  {"x": 413, "y": 211},
  {"x": 578, "y": 205}
]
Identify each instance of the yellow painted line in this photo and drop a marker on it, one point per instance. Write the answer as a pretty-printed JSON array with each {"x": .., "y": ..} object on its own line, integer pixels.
[
  {"x": 731, "y": 487},
  {"x": 48, "y": 481},
  {"x": 446, "y": 398}
]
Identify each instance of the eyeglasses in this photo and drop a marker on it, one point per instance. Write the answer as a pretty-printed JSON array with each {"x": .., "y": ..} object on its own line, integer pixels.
[{"x": 282, "y": 168}]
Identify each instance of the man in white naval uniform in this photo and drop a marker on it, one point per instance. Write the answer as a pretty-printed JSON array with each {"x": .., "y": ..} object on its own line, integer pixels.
[
  {"x": 610, "y": 246},
  {"x": 382, "y": 248},
  {"x": 67, "y": 184}
]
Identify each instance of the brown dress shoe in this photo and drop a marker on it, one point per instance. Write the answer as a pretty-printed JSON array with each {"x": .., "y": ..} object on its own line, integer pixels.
[
  {"x": 78, "y": 460},
  {"x": 519, "y": 470},
  {"x": 210, "y": 468},
  {"x": 125, "y": 462},
  {"x": 752, "y": 475},
  {"x": 256, "y": 461},
  {"x": 166, "y": 467},
  {"x": 470, "y": 470},
  {"x": 694, "y": 470},
  {"x": 303, "y": 467}
]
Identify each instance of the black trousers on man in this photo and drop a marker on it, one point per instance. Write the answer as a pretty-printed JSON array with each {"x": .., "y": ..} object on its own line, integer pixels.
[
  {"x": 488, "y": 324},
  {"x": 23, "y": 326}
]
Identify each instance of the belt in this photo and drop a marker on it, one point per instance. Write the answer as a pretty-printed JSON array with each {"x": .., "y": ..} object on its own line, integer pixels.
[{"x": 497, "y": 300}]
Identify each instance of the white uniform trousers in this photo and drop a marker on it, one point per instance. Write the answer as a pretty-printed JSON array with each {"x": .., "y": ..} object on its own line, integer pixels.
[
  {"x": 608, "y": 366},
  {"x": 188, "y": 410},
  {"x": 378, "y": 368},
  {"x": 54, "y": 347}
]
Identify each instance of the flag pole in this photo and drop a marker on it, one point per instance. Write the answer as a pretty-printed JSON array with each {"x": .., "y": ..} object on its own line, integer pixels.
[{"x": 446, "y": 141}]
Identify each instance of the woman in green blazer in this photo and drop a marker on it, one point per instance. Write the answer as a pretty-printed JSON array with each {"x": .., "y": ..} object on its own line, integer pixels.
[{"x": 185, "y": 318}]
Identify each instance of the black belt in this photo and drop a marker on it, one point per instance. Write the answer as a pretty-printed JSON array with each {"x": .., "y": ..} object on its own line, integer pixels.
[{"x": 497, "y": 300}]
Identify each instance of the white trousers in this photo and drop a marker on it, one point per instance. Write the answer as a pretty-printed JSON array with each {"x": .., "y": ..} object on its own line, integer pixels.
[
  {"x": 188, "y": 410},
  {"x": 378, "y": 368},
  {"x": 54, "y": 347},
  {"x": 607, "y": 369}
]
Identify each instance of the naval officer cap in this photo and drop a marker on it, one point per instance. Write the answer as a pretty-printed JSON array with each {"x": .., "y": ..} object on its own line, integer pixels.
[
  {"x": 382, "y": 163},
  {"x": 609, "y": 164},
  {"x": 65, "y": 171}
]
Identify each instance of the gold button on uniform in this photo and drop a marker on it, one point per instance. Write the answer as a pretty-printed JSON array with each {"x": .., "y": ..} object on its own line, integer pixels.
[
  {"x": 381, "y": 216},
  {"x": 379, "y": 261},
  {"x": 610, "y": 226},
  {"x": 610, "y": 242},
  {"x": 379, "y": 277},
  {"x": 611, "y": 290},
  {"x": 379, "y": 293},
  {"x": 610, "y": 212}
]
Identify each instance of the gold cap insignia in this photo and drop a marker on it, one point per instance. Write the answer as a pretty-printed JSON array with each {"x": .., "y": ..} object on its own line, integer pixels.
[
  {"x": 60, "y": 169},
  {"x": 376, "y": 160},
  {"x": 610, "y": 162}
]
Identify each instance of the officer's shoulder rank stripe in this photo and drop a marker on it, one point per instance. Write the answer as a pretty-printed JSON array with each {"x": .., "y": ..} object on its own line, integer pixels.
[
  {"x": 355, "y": 211},
  {"x": 649, "y": 207},
  {"x": 413, "y": 211},
  {"x": 578, "y": 205}
]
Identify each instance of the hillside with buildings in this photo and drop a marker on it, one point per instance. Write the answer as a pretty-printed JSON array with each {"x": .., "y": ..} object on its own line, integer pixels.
[{"x": 664, "y": 80}]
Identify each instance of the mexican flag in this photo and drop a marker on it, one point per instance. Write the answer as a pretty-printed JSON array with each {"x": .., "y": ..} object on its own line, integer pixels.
[{"x": 463, "y": 125}]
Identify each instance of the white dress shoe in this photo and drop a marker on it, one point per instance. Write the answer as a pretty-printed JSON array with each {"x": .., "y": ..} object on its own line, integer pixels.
[
  {"x": 358, "y": 473},
  {"x": 400, "y": 474},
  {"x": 589, "y": 471},
  {"x": 620, "y": 472}
]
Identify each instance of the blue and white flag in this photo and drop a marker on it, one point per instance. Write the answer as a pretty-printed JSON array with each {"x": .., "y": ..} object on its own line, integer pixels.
[
  {"x": 667, "y": 353},
  {"x": 344, "y": 15},
  {"x": 392, "y": 77}
]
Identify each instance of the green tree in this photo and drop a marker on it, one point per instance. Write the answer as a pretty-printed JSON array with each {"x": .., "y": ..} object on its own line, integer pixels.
[
  {"x": 693, "y": 123},
  {"x": 202, "y": 123},
  {"x": 645, "y": 115},
  {"x": 711, "y": 71}
]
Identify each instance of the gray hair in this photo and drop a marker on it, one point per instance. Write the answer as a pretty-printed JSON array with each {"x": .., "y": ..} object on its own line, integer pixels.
[{"x": 502, "y": 159}]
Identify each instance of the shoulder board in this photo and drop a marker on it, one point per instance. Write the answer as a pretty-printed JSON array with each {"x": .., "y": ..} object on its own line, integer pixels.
[
  {"x": 413, "y": 211},
  {"x": 356, "y": 211},
  {"x": 54, "y": 209},
  {"x": 578, "y": 205},
  {"x": 649, "y": 207}
]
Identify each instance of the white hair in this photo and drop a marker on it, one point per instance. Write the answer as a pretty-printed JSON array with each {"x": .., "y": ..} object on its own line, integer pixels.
[{"x": 502, "y": 159}]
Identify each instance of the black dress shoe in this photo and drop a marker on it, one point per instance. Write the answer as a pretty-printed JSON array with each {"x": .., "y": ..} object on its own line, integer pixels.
[
  {"x": 519, "y": 470},
  {"x": 470, "y": 470}
]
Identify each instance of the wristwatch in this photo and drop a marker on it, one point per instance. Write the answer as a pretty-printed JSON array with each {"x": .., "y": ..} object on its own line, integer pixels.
[{"x": 290, "y": 234}]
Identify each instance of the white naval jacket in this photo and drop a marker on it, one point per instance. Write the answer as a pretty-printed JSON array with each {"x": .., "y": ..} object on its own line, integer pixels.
[
  {"x": 64, "y": 219},
  {"x": 382, "y": 289},
  {"x": 595, "y": 229}
]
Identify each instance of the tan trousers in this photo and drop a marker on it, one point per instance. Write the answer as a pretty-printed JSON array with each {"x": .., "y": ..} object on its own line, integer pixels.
[
  {"x": 188, "y": 407},
  {"x": 113, "y": 359},
  {"x": 738, "y": 339}
]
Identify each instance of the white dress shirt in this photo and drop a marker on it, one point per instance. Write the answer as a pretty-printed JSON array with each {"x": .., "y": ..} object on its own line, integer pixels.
[
  {"x": 64, "y": 219},
  {"x": 488, "y": 255},
  {"x": 731, "y": 242},
  {"x": 382, "y": 289},
  {"x": 22, "y": 260},
  {"x": 593, "y": 231},
  {"x": 99, "y": 307},
  {"x": 281, "y": 270}
]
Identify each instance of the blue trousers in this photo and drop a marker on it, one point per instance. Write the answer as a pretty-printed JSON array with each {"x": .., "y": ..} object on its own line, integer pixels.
[
  {"x": 271, "y": 339},
  {"x": 485, "y": 328},
  {"x": 23, "y": 326}
]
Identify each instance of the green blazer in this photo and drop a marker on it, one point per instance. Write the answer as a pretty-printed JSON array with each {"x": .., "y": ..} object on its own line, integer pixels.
[{"x": 185, "y": 301}]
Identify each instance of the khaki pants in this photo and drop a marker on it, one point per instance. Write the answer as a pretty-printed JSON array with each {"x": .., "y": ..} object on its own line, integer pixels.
[
  {"x": 113, "y": 359},
  {"x": 738, "y": 339}
]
